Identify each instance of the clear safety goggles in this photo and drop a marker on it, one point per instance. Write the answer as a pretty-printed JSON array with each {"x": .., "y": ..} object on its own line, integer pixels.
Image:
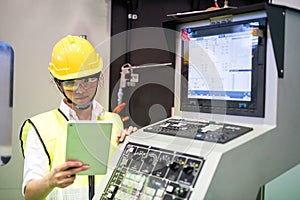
[{"x": 86, "y": 83}]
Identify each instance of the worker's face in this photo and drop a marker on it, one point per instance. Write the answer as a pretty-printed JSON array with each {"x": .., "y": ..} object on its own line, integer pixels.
[{"x": 80, "y": 91}]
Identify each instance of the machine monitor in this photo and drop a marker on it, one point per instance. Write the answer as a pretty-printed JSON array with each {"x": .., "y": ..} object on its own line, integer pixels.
[{"x": 223, "y": 67}]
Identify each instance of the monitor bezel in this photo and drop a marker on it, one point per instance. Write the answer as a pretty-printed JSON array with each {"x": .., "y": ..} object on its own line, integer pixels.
[{"x": 253, "y": 108}]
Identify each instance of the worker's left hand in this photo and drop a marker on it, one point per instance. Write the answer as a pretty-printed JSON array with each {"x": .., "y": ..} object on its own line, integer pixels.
[{"x": 125, "y": 132}]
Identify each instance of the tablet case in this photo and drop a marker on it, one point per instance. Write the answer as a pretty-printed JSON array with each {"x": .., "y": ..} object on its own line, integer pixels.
[{"x": 89, "y": 142}]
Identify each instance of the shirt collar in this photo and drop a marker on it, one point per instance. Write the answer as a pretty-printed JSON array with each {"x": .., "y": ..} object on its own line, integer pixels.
[{"x": 97, "y": 111}]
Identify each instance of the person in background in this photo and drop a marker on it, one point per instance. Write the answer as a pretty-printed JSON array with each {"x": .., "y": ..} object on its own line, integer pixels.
[{"x": 75, "y": 68}]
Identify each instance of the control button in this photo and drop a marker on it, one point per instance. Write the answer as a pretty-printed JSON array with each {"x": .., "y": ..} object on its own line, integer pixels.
[
  {"x": 109, "y": 196},
  {"x": 170, "y": 189},
  {"x": 160, "y": 192},
  {"x": 150, "y": 191},
  {"x": 113, "y": 188},
  {"x": 131, "y": 150},
  {"x": 181, "y": 192},
  {"x": 144, "y": 197}
]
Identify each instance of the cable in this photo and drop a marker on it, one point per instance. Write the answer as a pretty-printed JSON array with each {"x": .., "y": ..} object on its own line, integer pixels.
[
  {"x": 214, "y": 7},
  {"x": 216, "y": 4},
  {"x": 91, "y": 186}
]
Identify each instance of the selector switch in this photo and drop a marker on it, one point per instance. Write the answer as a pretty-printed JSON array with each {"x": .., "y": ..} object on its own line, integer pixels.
[
  {"x": 188, "y": 170},
  {"x": 174, "y": 171},
  {"x": 148, "y": 163},
  {"x": 137, "y": 157},
  {"x": 149, "y": 160},
  {"x": 174, "y": 166}
]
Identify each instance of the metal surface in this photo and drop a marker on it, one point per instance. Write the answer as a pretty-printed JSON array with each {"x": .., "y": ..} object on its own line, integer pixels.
[{"x": 238, "y": 168}]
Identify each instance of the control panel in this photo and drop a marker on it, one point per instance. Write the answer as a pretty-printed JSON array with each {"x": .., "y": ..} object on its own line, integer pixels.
[
  {"x": 199, "y": 130},
  {"x": 150, "y": 173}
]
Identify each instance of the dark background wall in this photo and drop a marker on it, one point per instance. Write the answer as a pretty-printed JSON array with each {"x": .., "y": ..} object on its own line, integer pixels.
[{"x": 151, "y": 99}]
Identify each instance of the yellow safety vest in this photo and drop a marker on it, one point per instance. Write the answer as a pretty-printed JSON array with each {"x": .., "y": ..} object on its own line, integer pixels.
[{"x": 51, "y": 128}]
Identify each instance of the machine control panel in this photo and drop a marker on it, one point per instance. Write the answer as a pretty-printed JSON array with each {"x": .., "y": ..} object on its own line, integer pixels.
[
  {"x": 150, "y": 173},
  {"x": 207, "y": 131}
]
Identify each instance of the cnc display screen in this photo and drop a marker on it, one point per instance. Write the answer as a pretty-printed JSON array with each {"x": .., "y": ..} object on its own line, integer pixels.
[{"x": 223, "y": 67}]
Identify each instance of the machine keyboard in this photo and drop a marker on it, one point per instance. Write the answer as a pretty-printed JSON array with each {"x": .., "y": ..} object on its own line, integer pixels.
[{"x": 207, "y": 131}]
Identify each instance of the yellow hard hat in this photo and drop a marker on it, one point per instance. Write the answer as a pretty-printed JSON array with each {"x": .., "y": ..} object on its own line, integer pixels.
[{"x": 74, "y": 57}]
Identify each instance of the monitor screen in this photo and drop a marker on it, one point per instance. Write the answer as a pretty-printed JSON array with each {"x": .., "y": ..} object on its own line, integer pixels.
[{"x": 223, "y": 67}]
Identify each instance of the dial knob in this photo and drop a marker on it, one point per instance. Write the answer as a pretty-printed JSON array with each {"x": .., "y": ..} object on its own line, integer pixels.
[
  {"x": 149, "y": 160},
  {"x": 188, "y": 170},
  {"x": 137, "y": 157},
  {"x": 174, "y": 166}
]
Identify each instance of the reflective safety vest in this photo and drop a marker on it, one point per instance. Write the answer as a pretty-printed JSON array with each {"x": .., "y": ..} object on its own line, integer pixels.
[{"x": 51, "y": 128}]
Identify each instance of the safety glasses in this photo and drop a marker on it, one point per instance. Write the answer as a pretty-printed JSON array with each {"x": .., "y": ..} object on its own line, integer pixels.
[{"x": 86, "y": 83}]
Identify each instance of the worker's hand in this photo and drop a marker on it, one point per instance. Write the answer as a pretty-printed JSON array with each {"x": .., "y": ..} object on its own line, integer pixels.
[
  {"x": 64, "y": 175},
  {"x": 123, "y": 133},
  {"x": 118, "y": 109}
]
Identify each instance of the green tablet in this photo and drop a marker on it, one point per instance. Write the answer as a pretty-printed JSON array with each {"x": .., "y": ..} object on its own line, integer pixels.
[{"x": 89, "y": 142}]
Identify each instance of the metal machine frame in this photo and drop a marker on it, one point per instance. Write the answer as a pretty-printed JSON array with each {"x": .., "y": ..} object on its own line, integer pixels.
[{"x": 237, "y": 169}]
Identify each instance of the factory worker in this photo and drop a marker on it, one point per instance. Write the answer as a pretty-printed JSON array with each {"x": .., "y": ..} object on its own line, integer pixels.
[{"x": 76, "y": 68}]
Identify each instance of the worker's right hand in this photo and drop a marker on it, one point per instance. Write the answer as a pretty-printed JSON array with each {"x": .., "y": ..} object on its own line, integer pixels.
[{"x": 64, "y": 175}]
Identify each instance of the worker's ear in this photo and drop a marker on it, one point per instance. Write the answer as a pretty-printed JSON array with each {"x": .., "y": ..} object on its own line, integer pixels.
[{"x": 56, "y": 82}]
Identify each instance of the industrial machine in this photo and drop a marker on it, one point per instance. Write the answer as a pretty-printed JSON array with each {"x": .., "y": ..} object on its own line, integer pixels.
[
  {"x": 6, "y": 99},
  {"x": 234, "y": 127}
]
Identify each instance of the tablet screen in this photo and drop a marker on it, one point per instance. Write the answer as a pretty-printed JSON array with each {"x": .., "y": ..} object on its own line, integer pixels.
[{"x": 89, "y": 142}]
